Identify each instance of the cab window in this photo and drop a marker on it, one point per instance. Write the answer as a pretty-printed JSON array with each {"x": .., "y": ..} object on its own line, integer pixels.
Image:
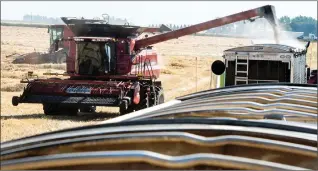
[{"x": 56, "y": 33}]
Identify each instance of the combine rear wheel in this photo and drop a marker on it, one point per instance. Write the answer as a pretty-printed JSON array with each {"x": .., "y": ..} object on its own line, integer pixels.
[
  {"x": 144, "y": 102},
  {"x": 70, "y": 111},
  {"x": 152, "y": 98}
]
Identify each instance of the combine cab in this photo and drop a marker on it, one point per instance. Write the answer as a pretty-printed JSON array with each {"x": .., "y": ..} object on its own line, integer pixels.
[
  {"x": 57, "y": 32},
  {"x": 264, "y": 63},
  {"x": 112, "y": 67}
]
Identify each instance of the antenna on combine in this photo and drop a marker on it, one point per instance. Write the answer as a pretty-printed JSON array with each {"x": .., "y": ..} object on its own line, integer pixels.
[
  {"x": 126, "y": 22},
  {"x": 106, "y": 18}
]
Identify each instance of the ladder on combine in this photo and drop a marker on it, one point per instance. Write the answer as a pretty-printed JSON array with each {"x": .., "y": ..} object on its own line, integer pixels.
[{"x": 241, "y": 69}]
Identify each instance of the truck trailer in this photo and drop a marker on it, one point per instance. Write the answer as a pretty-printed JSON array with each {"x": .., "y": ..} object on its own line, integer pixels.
[{"x": 264, "y": 63}]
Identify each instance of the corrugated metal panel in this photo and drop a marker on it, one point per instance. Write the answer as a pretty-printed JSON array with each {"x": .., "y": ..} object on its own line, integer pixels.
[
  {"x": 278, "y": 46},
  {"x": 299, "y": 71},
  {"x": 264, "y": 48}
]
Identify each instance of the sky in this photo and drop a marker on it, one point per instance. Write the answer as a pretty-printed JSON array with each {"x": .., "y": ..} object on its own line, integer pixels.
[{"x": 151, "y": 12}]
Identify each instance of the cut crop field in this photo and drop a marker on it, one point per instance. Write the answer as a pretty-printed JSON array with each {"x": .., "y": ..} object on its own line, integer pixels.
[{"x": 179, "y": 76}]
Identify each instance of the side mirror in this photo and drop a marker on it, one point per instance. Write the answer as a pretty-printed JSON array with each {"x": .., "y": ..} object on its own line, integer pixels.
[{"x": 218, "y": 67}]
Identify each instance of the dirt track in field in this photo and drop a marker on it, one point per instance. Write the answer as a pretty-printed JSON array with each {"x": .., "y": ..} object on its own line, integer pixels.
[{"x": 178, "y": 76}]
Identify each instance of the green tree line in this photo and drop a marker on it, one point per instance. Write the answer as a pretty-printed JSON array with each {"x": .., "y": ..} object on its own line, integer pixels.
[
  {"x": 299, "y": 24},
  {"x": 303, "y": 24},
  {"x": 51, "y": 20},
  {"x": 171, "y": 26}
]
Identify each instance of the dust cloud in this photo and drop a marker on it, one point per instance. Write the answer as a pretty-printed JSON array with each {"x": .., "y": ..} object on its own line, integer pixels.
[
  {"x": 160, "y": 61},
  {"x": 261, "y": 32}
]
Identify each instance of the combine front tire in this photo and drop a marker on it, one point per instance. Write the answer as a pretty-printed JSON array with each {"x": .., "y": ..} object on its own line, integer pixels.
[
  {"x": 88, "y": 109},
  {"x": 50, "y": 109},
  {"x": 71, "y": 111},
  {"x": 57, "y": 109},
  {"x": 124, "y": 108}
]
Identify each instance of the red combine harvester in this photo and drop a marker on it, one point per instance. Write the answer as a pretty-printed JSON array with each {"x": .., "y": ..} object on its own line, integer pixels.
[
  {"x": 56, "y": 32},
  {"x": 113, "y": 68}
]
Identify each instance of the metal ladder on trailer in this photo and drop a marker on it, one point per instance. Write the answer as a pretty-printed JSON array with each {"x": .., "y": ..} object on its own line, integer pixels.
[{"x": 241, "y": 62}]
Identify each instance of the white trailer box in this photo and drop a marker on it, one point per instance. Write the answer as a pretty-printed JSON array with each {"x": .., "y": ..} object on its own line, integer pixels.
[{"x": 261, "y": 63}]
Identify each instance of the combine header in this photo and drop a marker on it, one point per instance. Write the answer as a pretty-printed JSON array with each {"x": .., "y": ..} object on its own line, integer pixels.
[
  {"x": 56, "y": 32},
  {"x": 113, "y": 68}
]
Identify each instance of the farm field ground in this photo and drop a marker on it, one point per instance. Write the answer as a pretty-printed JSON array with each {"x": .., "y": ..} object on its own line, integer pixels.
[{"x": 178, "y": 76}]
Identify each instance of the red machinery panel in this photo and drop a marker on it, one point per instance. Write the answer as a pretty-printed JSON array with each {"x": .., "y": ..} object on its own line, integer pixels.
[{"x": 123, "y": 58}]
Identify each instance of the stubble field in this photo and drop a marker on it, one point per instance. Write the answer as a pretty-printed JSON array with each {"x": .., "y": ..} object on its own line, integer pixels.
[{"x": 178, "y": 76}]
